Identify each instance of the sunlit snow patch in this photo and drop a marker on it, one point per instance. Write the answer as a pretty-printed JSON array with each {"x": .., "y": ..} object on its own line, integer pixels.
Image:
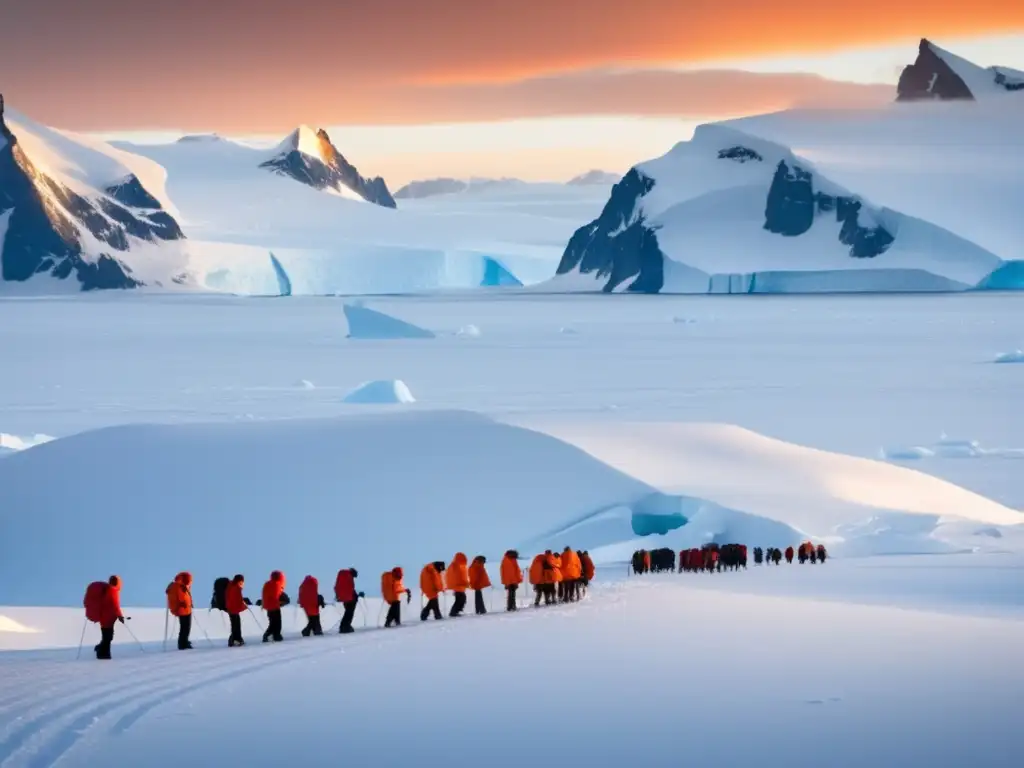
[
  {"x": 10, "y": 625},
  {"x": 383, "y": 392},
  {"x": 366, "y": 323},
  {"x": 13, "y": 443}
]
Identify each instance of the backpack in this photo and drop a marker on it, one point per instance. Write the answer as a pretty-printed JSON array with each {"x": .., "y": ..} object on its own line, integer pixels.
[
  {"x": 95, "y": 596},
  {"x": 220, "y": 588}
]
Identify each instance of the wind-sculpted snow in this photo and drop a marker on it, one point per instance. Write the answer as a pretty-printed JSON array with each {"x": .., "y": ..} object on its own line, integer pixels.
[
  {"x": 366, "y": 323},
  {"x": 382, "y": 392},
  {"x": 305, "y": 496}
]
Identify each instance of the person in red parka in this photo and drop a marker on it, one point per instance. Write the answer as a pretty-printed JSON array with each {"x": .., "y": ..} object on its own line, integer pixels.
[
  {"x": 103, "y": 605},
  {"x": 789, "y": 555},
  {"x": 274, "y": 599},
  {"x": 311, "y": 601},
  {"x": 345, "y": 593},
  {"x": 236, "y": 604}
]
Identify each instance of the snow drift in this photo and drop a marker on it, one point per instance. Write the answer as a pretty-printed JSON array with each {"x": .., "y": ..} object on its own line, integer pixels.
[
  {"x": 303, "y": 496},
  {"x": 380, "y": 392}
]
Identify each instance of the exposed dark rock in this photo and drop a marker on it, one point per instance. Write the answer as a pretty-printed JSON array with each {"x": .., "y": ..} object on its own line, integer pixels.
[
  {"x": 619, "y": 244},
  {"x": 1009, "y": 83},
  {"x": 929, "y": 77},
  {"x": 331, "y": 170},
  {"x": 792, "y": 207},
  {"x": 739, "y": 154},
  {"x": 130, "y": 192}
]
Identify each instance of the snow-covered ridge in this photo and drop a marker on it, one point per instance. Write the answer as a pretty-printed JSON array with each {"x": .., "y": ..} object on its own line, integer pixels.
[
  {"x": 730, "y": 212},
  {"x": 940, "y": 74},
  {"x": 308, "y": 156},
  {"x": 74, "y": 207}
]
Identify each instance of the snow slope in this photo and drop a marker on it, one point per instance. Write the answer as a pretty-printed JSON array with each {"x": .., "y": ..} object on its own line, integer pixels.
[
  {"x": 301, "y": 495},
  {"x": 956, "y": 164},
  {"x": 731, "y": 213},
  {"x": 933, "y": 688},
  {"x": 940, "y": 74}
]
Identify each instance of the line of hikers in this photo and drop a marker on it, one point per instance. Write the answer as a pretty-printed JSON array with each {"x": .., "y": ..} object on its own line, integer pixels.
[
  {"x": 555, "y": 578},
  {"x": 715, "y": 558},
  {"x": 806, "y": 551}
]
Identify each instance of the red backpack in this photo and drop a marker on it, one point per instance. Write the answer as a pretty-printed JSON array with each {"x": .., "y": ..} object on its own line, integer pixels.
[{"x": 95, "y": 597}]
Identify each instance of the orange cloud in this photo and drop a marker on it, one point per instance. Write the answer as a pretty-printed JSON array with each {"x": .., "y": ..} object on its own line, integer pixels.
[{"x": 261, "y": 65}]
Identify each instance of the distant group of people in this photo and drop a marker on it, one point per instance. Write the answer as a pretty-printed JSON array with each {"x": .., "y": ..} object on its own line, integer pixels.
[
  {"x": 556, "y": 578},
  {"x": 715, "y": 558},
  {"x": 804, "y": 553}
]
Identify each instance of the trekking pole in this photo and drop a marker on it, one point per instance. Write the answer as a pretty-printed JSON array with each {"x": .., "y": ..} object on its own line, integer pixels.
[
  {"x": 362, "y": 604},
  {"x": 334, "y": 605},
  {"x": 141, "y": 648},
  {"x": 167, "y": 619},
  {"x": 249, "y": 609},
  {"x": 202, "y": 629},
  {"x": 85, "y": 623},
  {"x": 380, "y": 614},
  {"x": 490, "y": 597}
]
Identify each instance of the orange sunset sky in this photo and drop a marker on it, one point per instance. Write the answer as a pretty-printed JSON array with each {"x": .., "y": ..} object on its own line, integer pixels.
[{"x": 530, "y": 88}]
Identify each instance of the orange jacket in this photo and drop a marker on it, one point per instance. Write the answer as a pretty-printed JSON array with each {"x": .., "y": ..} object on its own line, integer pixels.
[
  {"x": 511, "y": 573},
  {"x": 478, "y": 578},
  {"x": 179, "y": 598},
  {"x": 572, "y": 568},
  {"x": 111, "y": 609},
  {"x": 309, "y": 596},
  {"x": 588, "y": 567},
  {"x": 234, "y": 602},
  {"x": 272, "y": 592},
  {"x": 431, "y": 584},
  {"x": 555, "y": 574},
  {"x": 537, "y": 570},
  {"x": 457, "y": 576},
  {"x": 391, "y": 586}
]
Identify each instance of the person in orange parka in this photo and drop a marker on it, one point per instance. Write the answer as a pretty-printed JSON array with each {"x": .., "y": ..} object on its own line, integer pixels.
[
  {"x": 274, "y": 599},
  {"x": 235, "y": 603},
  {"x": 179, "y": 603},
  {"x": 554, "y": 577},
  {"x": 103, "y": 605},
  {"x": 311, "y": 601},
  {"x": 457, "y": 580},
  {"x": 478, "y": 582},
  {"x": 431, "y": 587},
  {"x": 572, "y": 572},
  {"x": 392, "y": 589},
  {"x": 588, "y": 571},
  {"x": 538, "y": 577},
  {"x": 511, "y": 578}
]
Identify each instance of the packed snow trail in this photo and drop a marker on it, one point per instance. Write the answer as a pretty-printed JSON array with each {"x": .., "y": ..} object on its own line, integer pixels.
[{"x": 593, "y": 682}]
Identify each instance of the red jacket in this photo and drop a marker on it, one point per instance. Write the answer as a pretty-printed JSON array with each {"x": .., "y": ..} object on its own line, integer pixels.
[
  {"x": 111, "y": 610},
  {"x": 309, "y": 592},
  {"x": 272, "y": 592},
  {"x": 233, "y": 600},
  {"x": 345, "y": 587}
]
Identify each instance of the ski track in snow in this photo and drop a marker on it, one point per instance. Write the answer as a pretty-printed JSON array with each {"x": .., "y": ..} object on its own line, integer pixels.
[{"x": 38, "y": 736}]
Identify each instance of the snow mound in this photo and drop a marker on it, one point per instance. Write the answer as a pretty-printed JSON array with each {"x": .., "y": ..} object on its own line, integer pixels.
[
  {"x": 567, "y": 330},
  {"x": 1017, "y": 356},
  {"x": 469, "y": 331},
  {"x": 739, "y": 478},
  {"x": 306, "y": 384},
  {"x": 949, "y": 448},
  {"x": 304, "y": 496},
  {"x": 380, "y": 393},
  {"x": 11, "y": 443},
  {"x": 366, "y": 323}
]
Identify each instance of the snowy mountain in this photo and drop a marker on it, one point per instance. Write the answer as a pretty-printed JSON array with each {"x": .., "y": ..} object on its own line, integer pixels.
[
  {"x": 417, "y": 190},
  {"x": 77, "y": 211},
  {"x": 939, "y": 74},
  {"x": 731, "y": 213},
  {"x": 593, "y": 177},
  {"x": 309, "y": 156}
]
